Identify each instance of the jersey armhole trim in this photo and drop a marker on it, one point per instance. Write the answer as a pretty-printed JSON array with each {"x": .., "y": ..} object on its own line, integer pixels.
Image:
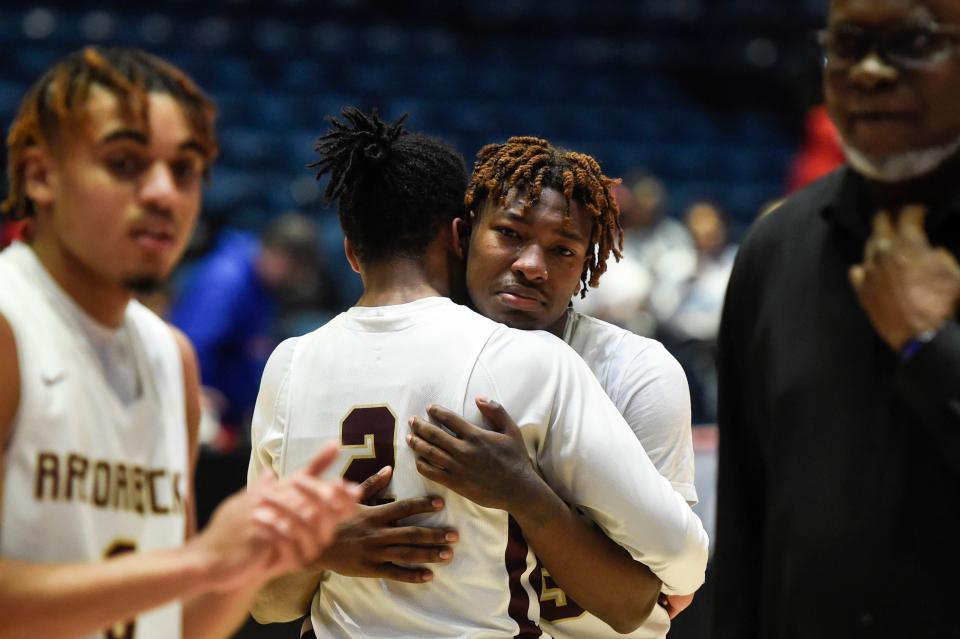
[
  {"x": 190, "y": 464},
  {"x": 283, "y": 403},
  {"x": 8, "y": 436}
]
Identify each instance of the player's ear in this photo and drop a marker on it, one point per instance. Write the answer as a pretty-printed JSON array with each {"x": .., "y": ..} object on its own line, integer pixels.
[
  {"x": 460, "y": 234},
  {"x": 39, "y": 175},
  {"x": 351, "y": 255}
]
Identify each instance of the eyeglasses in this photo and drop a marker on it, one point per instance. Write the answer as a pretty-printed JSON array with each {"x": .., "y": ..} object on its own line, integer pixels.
[{"x": 909, "y": 47}]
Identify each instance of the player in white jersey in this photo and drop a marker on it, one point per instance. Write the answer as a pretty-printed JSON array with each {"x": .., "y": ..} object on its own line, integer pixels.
[
  {"x": 405, "y": 345},
  {"x": 519, "y": 272},
  {"x": 99, "y": 402},
  {"x": 645, "y": 382}
]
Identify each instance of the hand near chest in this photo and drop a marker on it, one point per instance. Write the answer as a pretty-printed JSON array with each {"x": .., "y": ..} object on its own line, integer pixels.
[{"x": 906, "y": 286}]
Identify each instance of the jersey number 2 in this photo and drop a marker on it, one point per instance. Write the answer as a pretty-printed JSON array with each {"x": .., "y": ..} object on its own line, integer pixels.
[{"x": 369, "y": 431}]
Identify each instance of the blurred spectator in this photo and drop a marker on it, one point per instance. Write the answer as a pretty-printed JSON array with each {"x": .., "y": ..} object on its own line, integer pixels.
[
  {"x": 698, "y": 314},
  {"x": 690, "y": 332},
  {"x": 659, "y": 243},
  {"x": 651, "y": 237},
  {"x": 658, "y": 256},
  {"x": 670, "y": 283},
  {"x": 623, "y": 293},
  {"x": 228, "y": 308},
  {"x": 821, "y": 151}
]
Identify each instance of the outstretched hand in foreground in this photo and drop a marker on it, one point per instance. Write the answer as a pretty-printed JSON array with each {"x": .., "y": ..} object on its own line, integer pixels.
[{"x": 274, "y": 527}]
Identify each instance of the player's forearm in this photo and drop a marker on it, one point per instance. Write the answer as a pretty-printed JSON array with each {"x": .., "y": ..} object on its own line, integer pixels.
[
  {"x": 66, "y": 600},
  {"x": 217, "y": 616},
  {"x": 627, "y": 497},
  {"x": 594, "y": 571},
  {"x": 287, "y": 597}
]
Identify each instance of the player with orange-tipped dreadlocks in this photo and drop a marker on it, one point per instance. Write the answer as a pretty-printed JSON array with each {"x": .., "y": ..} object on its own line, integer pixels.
[
  {"x": 405, "y": 345},
  {"x": 540, "y": 224},
  {"x": 529, "y": 164}
]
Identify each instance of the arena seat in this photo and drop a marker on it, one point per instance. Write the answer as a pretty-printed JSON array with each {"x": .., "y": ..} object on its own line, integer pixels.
[{"x": 616, "y": 91}]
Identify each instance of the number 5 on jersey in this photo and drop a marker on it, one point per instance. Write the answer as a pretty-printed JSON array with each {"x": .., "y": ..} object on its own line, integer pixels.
[
  {"x": 368, "y": 435},
  {"x": 123, "y": 629}
]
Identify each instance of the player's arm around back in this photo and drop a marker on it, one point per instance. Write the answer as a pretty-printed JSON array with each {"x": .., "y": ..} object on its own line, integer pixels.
[
  {"x": 592, "y": 458},
  {"x": 492, "y": 467}
]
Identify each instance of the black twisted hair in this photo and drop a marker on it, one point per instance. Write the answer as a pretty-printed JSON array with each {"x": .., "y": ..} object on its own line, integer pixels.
[{"x": 395, "y": 189}]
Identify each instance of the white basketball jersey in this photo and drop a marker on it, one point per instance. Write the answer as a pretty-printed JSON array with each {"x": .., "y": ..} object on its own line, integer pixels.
[
  {"x": 359, "y": 378},
  {"x": 649, "y": 388},
  {"x": 87, "y": 476}
]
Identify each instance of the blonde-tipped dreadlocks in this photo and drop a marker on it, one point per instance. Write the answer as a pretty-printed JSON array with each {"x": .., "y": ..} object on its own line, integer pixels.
[
  {"x": 531, "y": 164},
  {"x": 57, "y": 101}
]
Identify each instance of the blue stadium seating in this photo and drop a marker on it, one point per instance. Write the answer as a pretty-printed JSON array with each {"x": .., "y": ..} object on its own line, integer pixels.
[{"x": 616, "y": 96}]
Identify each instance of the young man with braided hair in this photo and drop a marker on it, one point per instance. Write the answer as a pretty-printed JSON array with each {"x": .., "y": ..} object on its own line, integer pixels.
[
  {"x": 99, "y": 404},
  {"x": 541, "y": 224},
  {"x": 527, "y": 171},
  {"x": 358, "y": 378}
]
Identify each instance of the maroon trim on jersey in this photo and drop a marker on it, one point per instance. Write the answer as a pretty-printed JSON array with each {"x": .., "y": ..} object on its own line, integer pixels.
[
  {"x": 536, "y": 581},
  {"x": 516, "y": 563}
]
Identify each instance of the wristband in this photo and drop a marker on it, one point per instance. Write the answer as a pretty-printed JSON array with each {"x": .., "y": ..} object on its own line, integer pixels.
[{"x": 917, "y": 342}]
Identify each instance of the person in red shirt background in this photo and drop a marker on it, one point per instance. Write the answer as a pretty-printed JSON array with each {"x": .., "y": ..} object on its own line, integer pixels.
[
  {"x": 11, "y": 230},
  {"x": 820, "y": 153}
]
